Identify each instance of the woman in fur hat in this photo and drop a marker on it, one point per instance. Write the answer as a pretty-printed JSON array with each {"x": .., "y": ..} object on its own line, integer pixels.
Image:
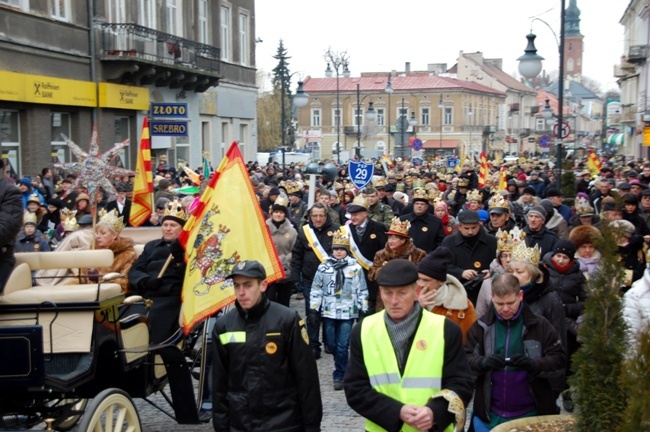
[{"x": 585, "y": 238}]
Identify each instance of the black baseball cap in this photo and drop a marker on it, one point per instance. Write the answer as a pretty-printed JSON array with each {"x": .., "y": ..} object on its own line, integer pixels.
[{"x": 251, "y": 269}]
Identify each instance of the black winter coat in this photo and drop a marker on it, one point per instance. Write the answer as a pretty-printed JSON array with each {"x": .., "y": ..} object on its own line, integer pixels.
[
  {"x": 373, "y": 240},
  {"x": 545, "y": 238},
  {"x": 303, "y": 259},
  {"x": 426, "y": 231},
  {"x": 570, "y": 286},
  {"x": 165, "y": 310},
  {"x": 270, "y": 381},
  {"x": 536, "y": 331},
  {"x": 11, "y": 220},
  {"x": 385, "y": 410}
]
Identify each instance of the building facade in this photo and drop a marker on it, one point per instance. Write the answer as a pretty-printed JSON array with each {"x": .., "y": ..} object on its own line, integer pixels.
[
  {"x": 447, "y": 114},
  {"x": 70, "y": 65}
]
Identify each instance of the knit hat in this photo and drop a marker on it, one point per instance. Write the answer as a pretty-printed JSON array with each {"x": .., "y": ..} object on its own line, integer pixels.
[
  {"x": 565, "y": 247},
  {"x": 397, "y": 273},
  {"x": 625, "y": 227},
  {"x": 163, "y": 184},
  {"x": 435, "y": 263},
  {"x": 529, "y": 190},
  {"x": 538, "y": 209},
  {"x": 548, "y": 207},
  {"x": 553, "y": 192},
  {"x": 274, "y": 191},
  {"x": 483, "y": 215}
]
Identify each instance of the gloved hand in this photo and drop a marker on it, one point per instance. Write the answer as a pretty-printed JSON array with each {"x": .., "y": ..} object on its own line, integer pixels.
[
  {"x": 152, "y": 283},
  {"x": 177, "y": 251},
  {"x": 494, "y": 362},
  {"x": 522, "y": 361},
  {"x": 313, "y": 318}
]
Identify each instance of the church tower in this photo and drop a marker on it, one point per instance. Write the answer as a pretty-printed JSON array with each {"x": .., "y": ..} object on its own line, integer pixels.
[{"x": 573, "y": 46}]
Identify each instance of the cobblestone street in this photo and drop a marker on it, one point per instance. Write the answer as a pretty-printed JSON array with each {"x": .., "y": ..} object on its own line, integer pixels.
[{"x": 337, "y": 416}]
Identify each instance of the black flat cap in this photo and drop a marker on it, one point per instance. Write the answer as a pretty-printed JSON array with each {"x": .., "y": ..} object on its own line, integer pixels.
[
  {"x": 251, "y": 269},
  {"x": 398, "y": 272},
  {"x": 468, "y": 217}
]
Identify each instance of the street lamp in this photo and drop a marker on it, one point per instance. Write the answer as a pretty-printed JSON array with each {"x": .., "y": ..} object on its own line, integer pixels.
[
  {"x": 471, "y": 148},
  {"x": 530, "y": 65},
  {"x": 300, "y": 100},
  {"x": 442, "y": 107},
  {"x": 339, "y": 61},
  {"x": 370, "y": 115},
  {"x": 389, "y": 91}
]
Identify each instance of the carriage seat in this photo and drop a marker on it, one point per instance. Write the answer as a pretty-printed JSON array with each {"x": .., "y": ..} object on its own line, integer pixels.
[{"x": 71, "y": 331}]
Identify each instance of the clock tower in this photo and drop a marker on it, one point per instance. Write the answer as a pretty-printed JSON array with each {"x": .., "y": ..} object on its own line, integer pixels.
[{"x": 573, "y": 46}]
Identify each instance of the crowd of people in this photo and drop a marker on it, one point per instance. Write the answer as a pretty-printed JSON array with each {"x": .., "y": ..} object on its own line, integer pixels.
[{"x": 456, "y": 290}]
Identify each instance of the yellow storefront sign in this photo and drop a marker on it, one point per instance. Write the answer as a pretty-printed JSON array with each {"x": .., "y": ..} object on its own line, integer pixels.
[
  {"x": 46, "y": 90},
  {"x": 646, "y": 136},
  {"x": 124, "y": 97}
]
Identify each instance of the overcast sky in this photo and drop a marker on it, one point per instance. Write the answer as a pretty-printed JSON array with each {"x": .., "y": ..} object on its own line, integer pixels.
[{"x": 382, "y": 35}]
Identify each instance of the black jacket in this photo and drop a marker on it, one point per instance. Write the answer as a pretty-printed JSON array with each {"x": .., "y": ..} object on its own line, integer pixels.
[
  {"x": 569, "y": 285},
  {"x": 395, "y": 205},
  {"x": 545, "y": 238},
  {"x": 536, "y": 332},
  {"x": 270, "y": 381},
  {"x": 373, "y": 240},
  {"x": 384, "y": 410},
  {"x": 164, "y": 312},
  {"x": 426, "y": 230},
  {"x": 303, "y": 259},
  {"x": 126, "y": 210},
  {"x": 11, "y": 220}
]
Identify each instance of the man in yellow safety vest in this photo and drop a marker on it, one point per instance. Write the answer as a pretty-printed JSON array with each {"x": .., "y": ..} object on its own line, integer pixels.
[{"x": 407, "y": 369}]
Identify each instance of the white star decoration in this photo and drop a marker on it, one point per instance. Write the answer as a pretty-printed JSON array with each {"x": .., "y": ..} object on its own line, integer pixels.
[{"x": 94, "y": 170}]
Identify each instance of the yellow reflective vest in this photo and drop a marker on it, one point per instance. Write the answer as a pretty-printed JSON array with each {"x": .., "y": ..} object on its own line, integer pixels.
[{"x": 423, "y": 372}]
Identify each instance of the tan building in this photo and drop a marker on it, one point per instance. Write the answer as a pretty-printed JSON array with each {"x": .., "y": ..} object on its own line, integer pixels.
[{"x": 447, "y": 113}]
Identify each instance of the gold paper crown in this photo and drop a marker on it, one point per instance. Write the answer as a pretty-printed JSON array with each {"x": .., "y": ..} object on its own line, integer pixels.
[
  {"x": 291, "y": 187},
  {"x": 361, "y": 200},
  {"x": 474, "y": 195},
  {"x": 433, "y": 194},
  {"x": 281, "y": 200},
  {"x": 399, "y": 227},
  {"x": 175, "y": 209},
  {"x": 399, "y": 176},
  {"x": 338, "y": 186},
  {"x": 506, "y": 241},
  {"x": 34, "y": 198},
  {"x": 340, "y": 239},
  {"x": 420, "y": 194},
  {"x": 418, "y": 184},
  {"x": 583, "y": 208},
  {"x": 400, "y": 187},
  {"x": 497, "y": 201},
  {"x": 69, "y": 222},
  {"x": 112, "y": 220},
  {"x": 439, "y": 202},
  {"x": 463, "y": 182},
  {"x": 520, "y": 252},
  {"x": 29, "y": 217},
  {"x": 379, "y": 183},
  {"x": 391, "y": 174}
]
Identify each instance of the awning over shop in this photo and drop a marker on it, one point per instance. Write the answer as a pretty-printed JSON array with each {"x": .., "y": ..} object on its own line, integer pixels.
[
  {"x": 444, "y": 144},
  {"x": 617, "y": 138}
]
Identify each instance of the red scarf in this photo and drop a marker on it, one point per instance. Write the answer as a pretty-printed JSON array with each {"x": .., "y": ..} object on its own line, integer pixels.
[
  {"x": 563, "y": 269},
  {"x": 445, "y": 224}
]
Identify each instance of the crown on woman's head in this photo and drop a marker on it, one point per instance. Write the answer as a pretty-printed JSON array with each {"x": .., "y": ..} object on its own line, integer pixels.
[
  {"x": 583, "y": 208},
  {"x": 69, "y": 221},
  {"x": 521, "y": 252},
  {"x": 474, "y": 195},
  {"x": 399, "y": 227},
  {"x": 112, "y": 220},
  {"x": 506, "y": 241}
]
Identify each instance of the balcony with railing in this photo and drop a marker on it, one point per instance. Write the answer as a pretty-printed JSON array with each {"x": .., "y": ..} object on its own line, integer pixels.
[{"x": 143, "y": 56}]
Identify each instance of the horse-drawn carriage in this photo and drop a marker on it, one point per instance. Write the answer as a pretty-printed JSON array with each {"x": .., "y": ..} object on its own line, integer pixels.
[{"x": 75, "y": 356}]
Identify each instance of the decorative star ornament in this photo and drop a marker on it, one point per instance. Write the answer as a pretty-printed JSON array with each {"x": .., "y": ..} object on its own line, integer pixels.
[{"x": 94, "y": 170}]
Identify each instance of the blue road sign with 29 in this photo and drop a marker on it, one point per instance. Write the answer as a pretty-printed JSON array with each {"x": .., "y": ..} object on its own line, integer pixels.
[
  {"x": 361, "y": 173},
  {"x": 451, "y": 163}
]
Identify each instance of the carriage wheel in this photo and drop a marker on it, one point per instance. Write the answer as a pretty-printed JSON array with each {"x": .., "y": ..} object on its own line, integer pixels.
[
  {"x": 68, "y": 423},
  {"x": 112, "y": 410}
]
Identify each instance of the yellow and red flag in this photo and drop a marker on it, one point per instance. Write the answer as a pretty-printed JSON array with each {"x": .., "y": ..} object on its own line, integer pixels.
[
  {"x": 191, "y": 174},
  {"x": 461, "y": 162},
  {"x": 484, "y": 171},
  {"x": 593, "y": 163},
  {"x": 226, "y": 228},
  {"x": 141, "y": 206},
  {"x": 503, "y": 180},
  {"x": 385, "y": 159}
]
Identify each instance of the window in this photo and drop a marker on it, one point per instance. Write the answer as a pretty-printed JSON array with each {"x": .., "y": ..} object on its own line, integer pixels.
[
  {"x": 425, "y": 118},
  {"x": 381, "y": 146},
  {"x": 243, "y": 38},
  {"x": 225, "y": 137},
  {"x": 116, "y": 11},
  {"x": 402, "y": 112},
  {"x": 61, "y": 126},
  {"x": 315, "y": 117},
  {"x": 225, "y": 33},
  {"x": 243, "y": 134},
  {"x": 358, "y": 117},
  {"x": 60, "y": 9},
  {"x": 448, "y": 116},
  {"x": 540, "y": 124},
  {"x": 381, "y": 117},
  {"x": 203, "y": 21},
  {"x": 336, "y": 115},
  {"x": 174, "y": 17},
  {"x": 122, "y": 132},
  {"x": 19, "y": 4},
  {"x": 10, "y": 140},
  {"x": 147, "y": 13}
]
